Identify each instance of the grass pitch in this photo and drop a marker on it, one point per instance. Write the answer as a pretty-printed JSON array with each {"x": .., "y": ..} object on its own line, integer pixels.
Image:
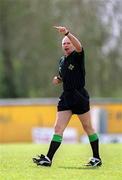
[{"x": 16, "y": 163}]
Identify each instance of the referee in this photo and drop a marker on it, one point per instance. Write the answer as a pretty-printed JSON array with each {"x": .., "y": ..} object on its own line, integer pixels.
[{"x": 73, "y": 100}]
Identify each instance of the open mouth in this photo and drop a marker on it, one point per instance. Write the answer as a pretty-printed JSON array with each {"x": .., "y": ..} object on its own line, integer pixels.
[{"x": 66, "y": 49}]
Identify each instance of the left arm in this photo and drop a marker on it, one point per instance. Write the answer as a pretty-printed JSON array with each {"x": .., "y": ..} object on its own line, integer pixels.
[{"x": 76, "y": 43}]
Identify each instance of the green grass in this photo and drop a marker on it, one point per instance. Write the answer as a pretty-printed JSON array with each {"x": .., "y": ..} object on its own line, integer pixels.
[{"x": 16, "y": 163}]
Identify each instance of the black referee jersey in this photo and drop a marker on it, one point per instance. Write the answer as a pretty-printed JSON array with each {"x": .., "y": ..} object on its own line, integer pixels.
[{"x": 72, "y": 71}]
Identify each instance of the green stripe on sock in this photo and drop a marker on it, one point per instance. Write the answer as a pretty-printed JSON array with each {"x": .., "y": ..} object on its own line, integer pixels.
[
  {"x": 93, "y": 137},
  {"x": 57, "y": 138}
]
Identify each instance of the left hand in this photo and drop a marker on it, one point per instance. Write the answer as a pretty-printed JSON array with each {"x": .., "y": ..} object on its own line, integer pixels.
[{"x": 61, "y": 29}]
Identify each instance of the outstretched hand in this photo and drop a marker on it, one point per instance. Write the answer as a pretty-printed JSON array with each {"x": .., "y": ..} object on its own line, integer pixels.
[{"x": 61, "y": 29}]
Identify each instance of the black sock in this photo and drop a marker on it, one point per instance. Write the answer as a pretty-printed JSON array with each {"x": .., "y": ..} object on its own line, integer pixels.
[
  {"x": 95, "y": 148},
  {"x": 54, "y": 145},
  {"x": 52, "y": 149},
  {"x": 94, "y": 141}
]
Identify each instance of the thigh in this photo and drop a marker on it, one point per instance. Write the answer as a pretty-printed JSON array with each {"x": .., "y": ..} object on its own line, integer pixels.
[
  {"x": 85, "y": 120},
  {"x": 85, "y": 117},
  {"x": 62, "y": 120}
]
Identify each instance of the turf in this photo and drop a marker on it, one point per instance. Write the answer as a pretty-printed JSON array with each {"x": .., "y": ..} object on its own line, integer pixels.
[{"x": 16, "y": 163}]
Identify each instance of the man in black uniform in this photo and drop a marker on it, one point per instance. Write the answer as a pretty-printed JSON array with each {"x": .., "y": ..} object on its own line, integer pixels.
[{"x": 73, "y": 100}]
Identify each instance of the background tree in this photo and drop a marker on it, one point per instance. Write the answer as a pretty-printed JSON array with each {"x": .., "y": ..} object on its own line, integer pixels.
[
  {"x": 30, "y": 47},
  {"x": 7, "y": 88}
]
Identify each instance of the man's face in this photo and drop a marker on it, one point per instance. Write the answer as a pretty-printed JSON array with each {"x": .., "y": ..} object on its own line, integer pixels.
[{"x": 67, "y": 46}]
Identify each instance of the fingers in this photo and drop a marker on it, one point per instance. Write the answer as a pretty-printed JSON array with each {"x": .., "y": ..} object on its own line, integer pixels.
[
  {"x": 58, "y": 27},
  {"x": 61, "y": 29}
]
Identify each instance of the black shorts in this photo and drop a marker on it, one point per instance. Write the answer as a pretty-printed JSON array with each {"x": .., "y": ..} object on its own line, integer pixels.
[{"x": 76, "y": 101}]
